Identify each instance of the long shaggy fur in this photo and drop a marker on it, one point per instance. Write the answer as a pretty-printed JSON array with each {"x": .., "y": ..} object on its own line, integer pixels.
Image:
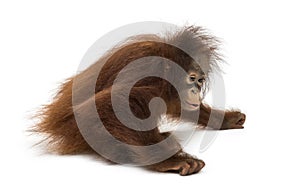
[
  {"x": 56, "y": 120},
  {"x": 192, "y": 48}
]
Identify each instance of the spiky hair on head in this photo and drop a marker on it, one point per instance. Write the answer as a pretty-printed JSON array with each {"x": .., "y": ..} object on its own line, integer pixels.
[{"x": 199, "y": 44}]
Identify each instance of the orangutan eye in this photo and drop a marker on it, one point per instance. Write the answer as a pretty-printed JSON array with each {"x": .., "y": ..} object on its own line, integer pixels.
[
  {"x": 193, "y": 78},
  {"x": 201, "y": 80}
]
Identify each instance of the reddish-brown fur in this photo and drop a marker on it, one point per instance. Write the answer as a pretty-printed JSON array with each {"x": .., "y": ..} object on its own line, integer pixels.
[{"x": 57, "y": 119}]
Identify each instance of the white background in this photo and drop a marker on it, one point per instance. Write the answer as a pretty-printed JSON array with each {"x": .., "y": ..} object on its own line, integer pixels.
[{"x": 42, "y": 43}]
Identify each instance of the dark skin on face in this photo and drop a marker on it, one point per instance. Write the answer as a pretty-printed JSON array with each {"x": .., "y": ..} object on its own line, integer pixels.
[{"x": 194, "y": 81}]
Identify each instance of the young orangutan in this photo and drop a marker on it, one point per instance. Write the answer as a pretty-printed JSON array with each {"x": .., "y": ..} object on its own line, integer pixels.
[{"x": 191, "y": 49}]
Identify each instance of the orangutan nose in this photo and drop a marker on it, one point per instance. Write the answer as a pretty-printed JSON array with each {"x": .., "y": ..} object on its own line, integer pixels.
[{"x": 195, "y": 91}]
